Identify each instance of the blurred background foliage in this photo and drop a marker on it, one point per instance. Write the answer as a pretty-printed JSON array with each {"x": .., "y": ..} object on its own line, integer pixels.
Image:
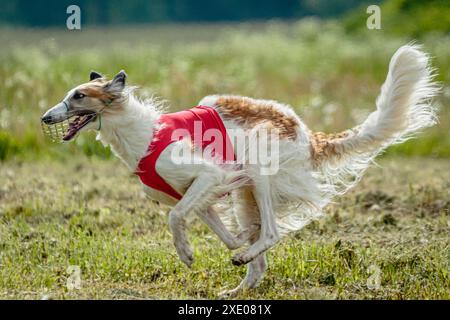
[
  {"x": 413, "y": 18},
  {"x": 315, "y": 55}
]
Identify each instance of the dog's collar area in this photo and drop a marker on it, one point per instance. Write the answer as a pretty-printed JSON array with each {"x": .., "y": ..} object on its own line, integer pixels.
[
  {"x": 99, "y": 114},
  {"x": 99, "y": 121}
]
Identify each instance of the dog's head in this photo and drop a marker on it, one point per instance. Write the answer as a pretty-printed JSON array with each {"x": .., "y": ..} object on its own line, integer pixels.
[{"x": 82, "y": 107}]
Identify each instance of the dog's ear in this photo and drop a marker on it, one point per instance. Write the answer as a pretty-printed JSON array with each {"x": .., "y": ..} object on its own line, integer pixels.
[
  {"x": 94, "y": 75},
  {"x": 116, "y": 85}
]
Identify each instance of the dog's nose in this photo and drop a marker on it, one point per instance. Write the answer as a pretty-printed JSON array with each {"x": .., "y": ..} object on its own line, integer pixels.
[{"x": 47, "y": 119}]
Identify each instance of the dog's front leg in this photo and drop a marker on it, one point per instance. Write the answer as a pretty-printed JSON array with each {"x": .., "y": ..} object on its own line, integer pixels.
[{"x": 193, "y": 200}]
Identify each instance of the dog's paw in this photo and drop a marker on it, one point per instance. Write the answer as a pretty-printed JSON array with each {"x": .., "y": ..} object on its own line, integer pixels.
[
  {"x": 241, "y": 258},
  {"x": 185, "y": 253}
]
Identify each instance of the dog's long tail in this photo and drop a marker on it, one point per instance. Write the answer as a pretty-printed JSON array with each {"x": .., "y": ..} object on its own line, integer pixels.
[{"x": 403, "y": 107}]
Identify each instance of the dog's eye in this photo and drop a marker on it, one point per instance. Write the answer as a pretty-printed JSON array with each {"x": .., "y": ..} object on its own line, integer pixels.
[{"x": 78, "y": 96}]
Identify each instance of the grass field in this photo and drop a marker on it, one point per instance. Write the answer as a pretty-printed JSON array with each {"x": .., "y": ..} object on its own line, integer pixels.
[
  {"x": 397, "y": 220},
  {"x": 75, "y": 205}
]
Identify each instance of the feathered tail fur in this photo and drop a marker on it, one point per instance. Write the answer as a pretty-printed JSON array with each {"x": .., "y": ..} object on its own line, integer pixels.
[{"x": 403, "y": 107}]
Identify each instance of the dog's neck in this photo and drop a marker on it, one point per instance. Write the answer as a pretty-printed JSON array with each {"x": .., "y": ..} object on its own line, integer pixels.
[{"x": 129, "y": 132}]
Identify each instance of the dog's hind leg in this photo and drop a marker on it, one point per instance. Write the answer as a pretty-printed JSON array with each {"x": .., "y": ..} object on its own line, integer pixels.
[
  {"x": 247, "y": 213},
  {"x": 255, "y": 272},
  {"x": 212, "y": 219},
  {"x": 269, "y": 233}
]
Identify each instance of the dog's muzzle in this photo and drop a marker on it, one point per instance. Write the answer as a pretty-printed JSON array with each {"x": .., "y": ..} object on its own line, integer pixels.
[
  {"x": 61, "y": 124},
  {"x": 57, "y": 131}
]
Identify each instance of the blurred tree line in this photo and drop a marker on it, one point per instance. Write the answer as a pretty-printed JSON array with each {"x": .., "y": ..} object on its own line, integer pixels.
[{"x": 111, "y": 12}]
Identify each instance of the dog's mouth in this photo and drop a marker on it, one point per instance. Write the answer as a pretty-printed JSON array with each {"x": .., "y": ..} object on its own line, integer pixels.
[
  {"x": 78, "y": 123},
  {"x": 68, "y": 128}
]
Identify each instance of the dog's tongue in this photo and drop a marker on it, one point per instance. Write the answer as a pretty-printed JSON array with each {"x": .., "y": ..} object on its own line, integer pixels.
[
  {"x": 77, "y": 125},
  {"x": 70, "y": 133},
  {"x": 73, "y": 128}
]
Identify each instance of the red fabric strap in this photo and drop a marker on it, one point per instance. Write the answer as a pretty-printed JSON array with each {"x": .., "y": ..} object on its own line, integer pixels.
[{"x": 207, "y": 117}]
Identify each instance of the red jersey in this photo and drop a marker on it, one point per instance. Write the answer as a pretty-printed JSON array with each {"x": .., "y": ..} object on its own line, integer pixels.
[{"x": 191, "y": 121}]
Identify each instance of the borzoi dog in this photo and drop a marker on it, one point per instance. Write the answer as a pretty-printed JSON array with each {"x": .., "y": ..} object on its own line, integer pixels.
[{"x": 311, "y": 167}]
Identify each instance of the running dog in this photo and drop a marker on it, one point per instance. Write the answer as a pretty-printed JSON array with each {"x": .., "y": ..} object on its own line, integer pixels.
[{"x": 312, "y": 167}]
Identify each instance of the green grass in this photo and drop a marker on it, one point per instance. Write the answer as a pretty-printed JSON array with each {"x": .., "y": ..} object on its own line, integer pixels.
[{"x": 57, "y": 214}]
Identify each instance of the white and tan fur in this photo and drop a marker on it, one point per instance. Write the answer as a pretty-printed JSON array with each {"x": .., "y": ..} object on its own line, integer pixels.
[{"x": 313, "y": 167}]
